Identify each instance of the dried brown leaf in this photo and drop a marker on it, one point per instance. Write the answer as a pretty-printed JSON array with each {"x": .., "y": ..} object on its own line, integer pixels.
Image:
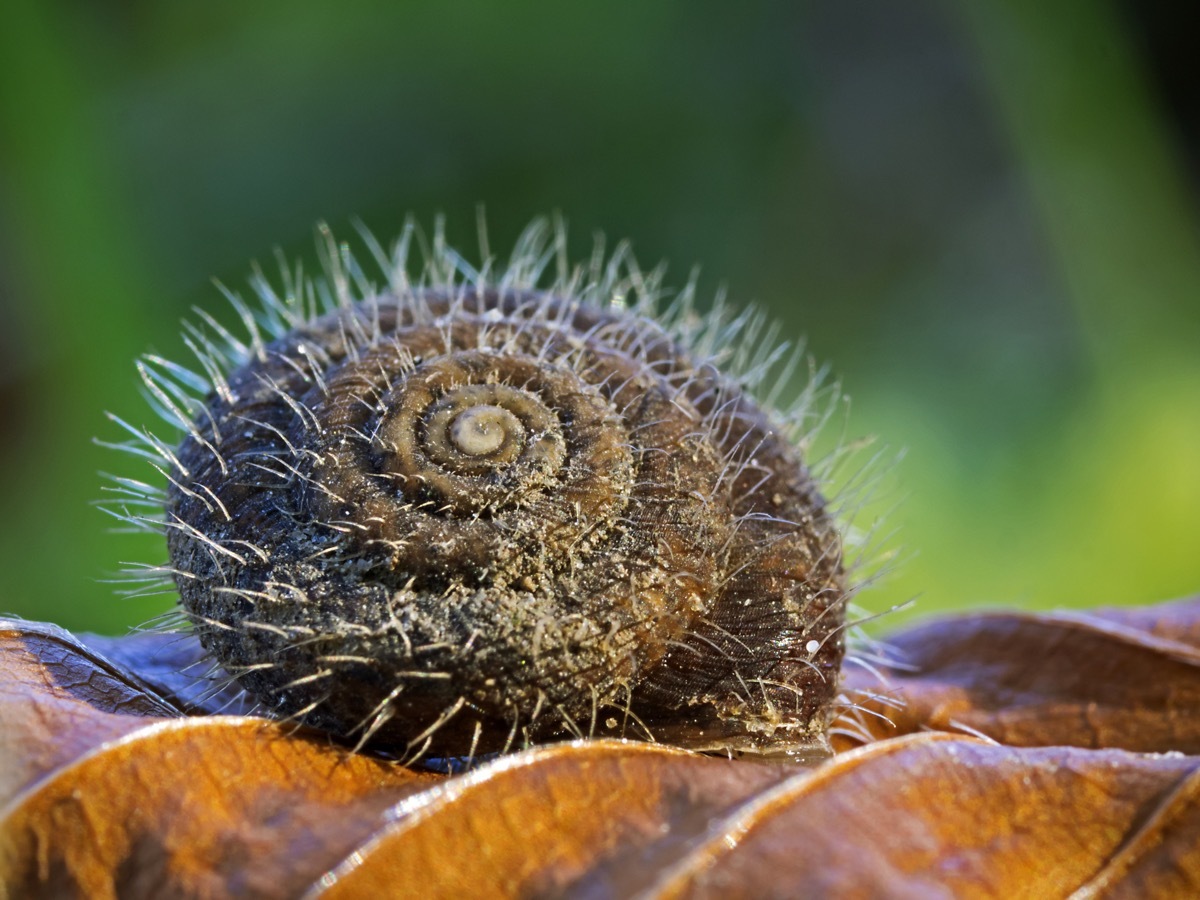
[
  {"x": 114, "y": 782},
  {"x": 929, "y": 816},
  {"x": 591, "y": 817},
  {"x": 58, "y": 701},
  {"x": 1112, "y": 679},
  {"x": 109, "y": 791}
]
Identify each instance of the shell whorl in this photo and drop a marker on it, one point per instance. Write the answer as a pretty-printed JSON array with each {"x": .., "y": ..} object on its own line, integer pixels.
[{"x": 456, "y": 519}]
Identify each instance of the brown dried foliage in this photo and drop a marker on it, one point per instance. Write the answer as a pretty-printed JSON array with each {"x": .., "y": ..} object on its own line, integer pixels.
[{"x": 1011, "y": 755}]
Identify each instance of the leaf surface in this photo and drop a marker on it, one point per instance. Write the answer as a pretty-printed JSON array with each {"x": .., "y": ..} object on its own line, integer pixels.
[
  {"x": 1116, "y": 678},
  {"x": 1005, "y": 755}
]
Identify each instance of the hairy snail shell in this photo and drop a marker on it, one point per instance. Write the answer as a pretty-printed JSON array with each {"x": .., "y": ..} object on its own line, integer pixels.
[{"x": 462, "y": 515}]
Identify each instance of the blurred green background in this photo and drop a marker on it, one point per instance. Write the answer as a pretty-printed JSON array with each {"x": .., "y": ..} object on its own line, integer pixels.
[{"x": 983, "y": 214}]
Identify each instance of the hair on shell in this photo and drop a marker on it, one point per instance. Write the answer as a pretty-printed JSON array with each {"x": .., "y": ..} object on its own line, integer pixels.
[{"x": 425, "y": 283}]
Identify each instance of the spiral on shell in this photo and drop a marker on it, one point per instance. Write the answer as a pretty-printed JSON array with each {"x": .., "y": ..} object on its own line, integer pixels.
[{"x": 470, "y": 513}]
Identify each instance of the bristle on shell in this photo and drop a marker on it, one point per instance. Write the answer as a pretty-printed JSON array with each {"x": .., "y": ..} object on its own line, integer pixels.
[{"x": 467, "y": 509}]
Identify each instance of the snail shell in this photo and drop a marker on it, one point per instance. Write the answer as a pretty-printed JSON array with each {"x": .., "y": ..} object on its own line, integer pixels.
[{"x": 457, "y": 518}]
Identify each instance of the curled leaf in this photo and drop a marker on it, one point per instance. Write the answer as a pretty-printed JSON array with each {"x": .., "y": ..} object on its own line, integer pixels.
[
  {"x": 1022, "y": 755},
  {"x": 1111, "y": 679},
  {"x": 58, "y": 701}
]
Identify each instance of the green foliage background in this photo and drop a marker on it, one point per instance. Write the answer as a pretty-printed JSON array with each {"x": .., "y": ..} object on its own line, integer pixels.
[{"x": 976, "y": 211}]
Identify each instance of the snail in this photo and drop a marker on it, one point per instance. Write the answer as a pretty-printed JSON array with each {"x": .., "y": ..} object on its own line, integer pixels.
[{"x": 474, "y": 510}]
